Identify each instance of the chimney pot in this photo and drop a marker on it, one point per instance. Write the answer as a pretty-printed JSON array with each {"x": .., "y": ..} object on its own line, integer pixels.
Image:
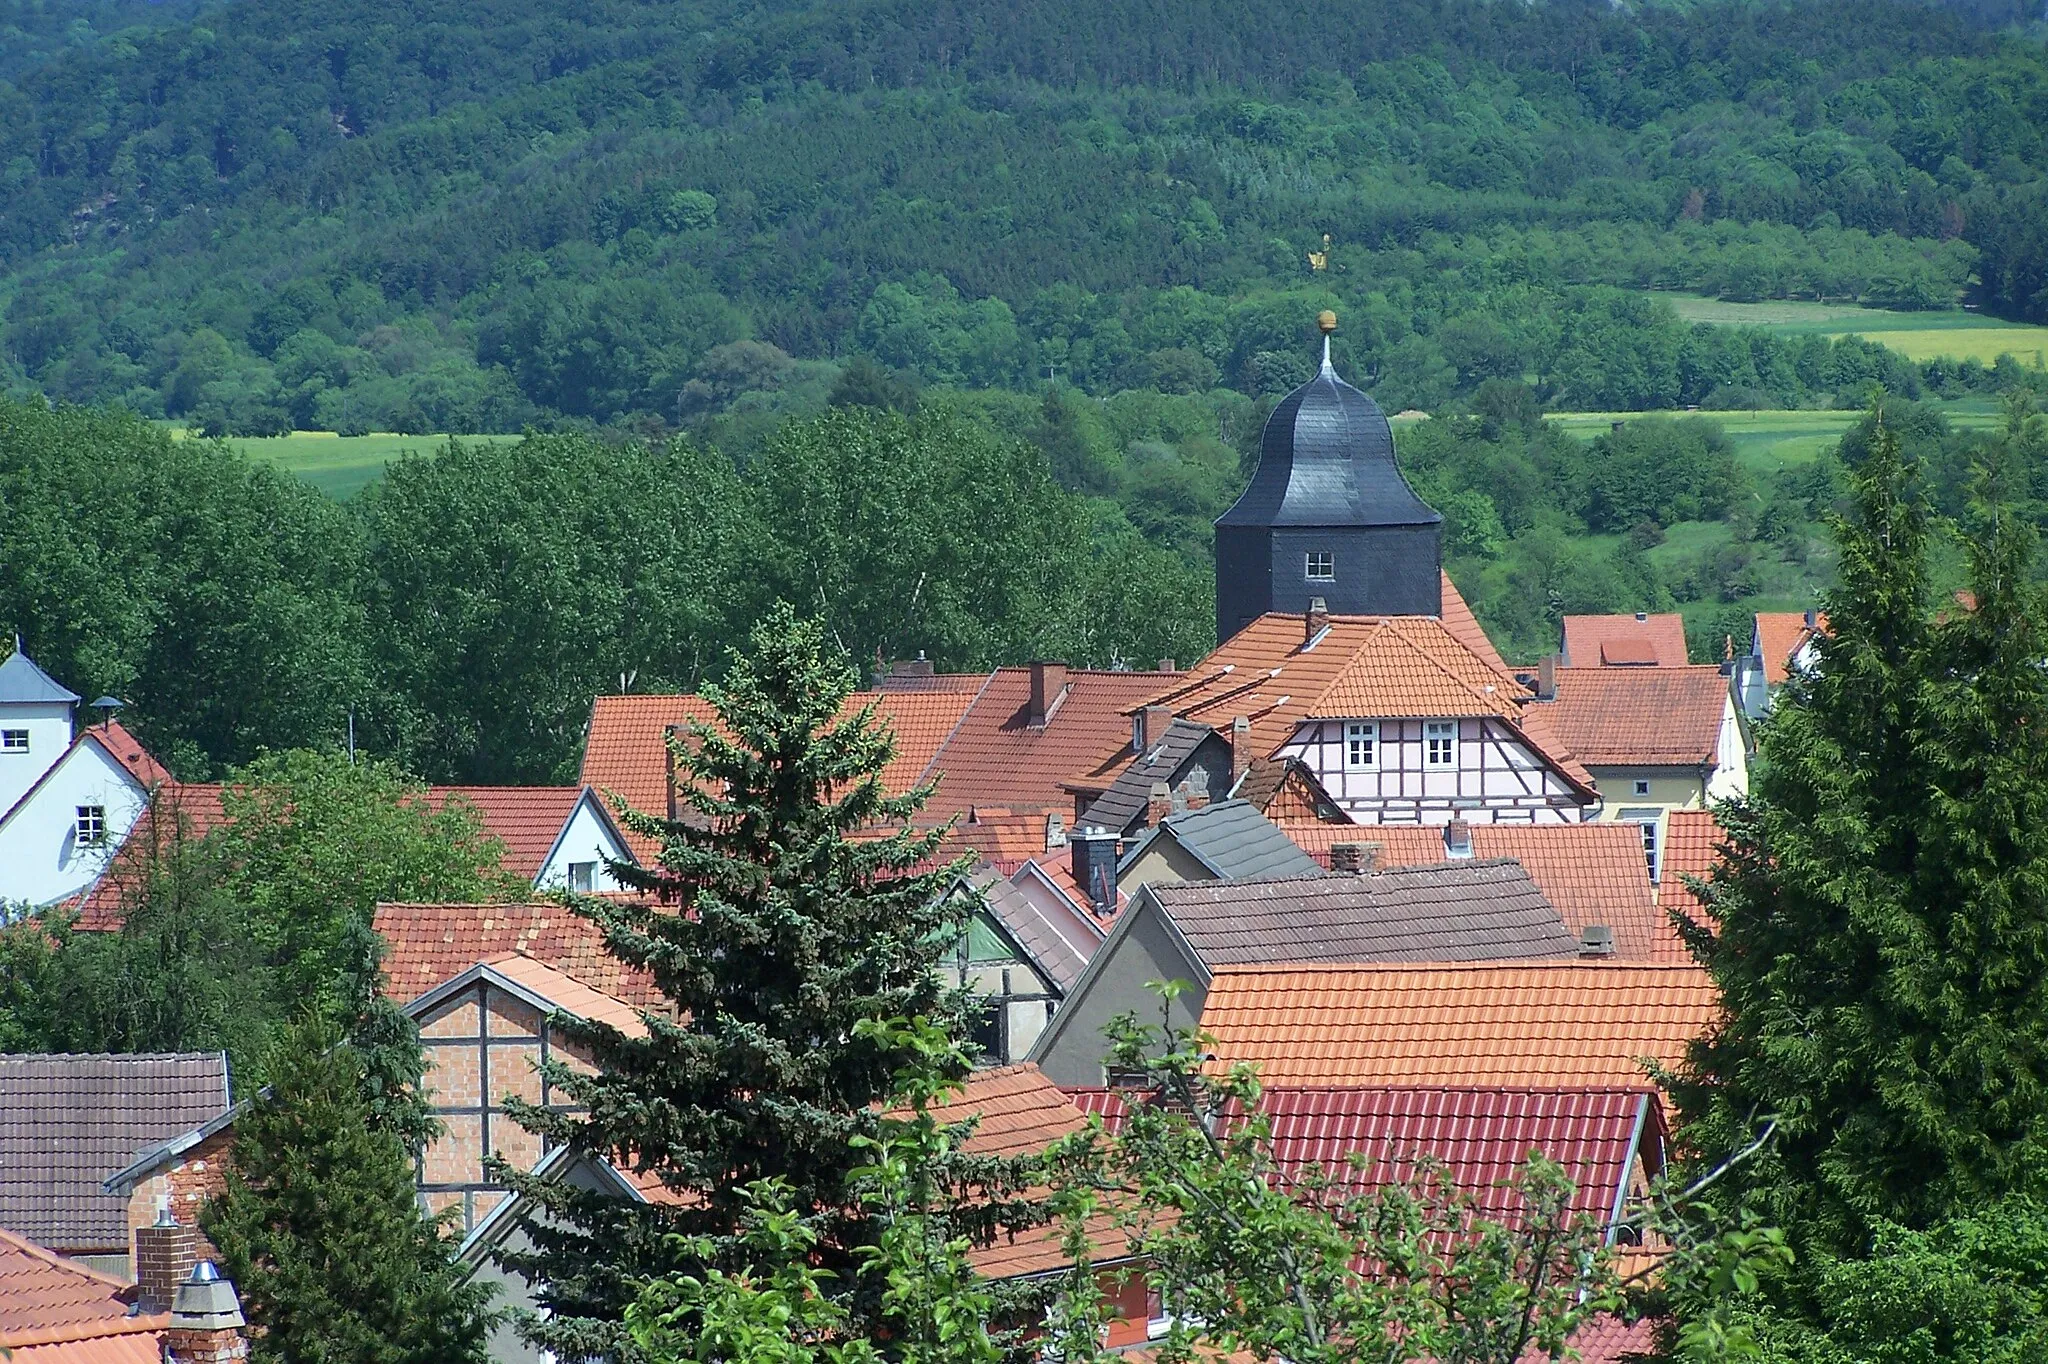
[
  {"x": 1048, "y": 684},
  {"x": 1546, "y": 678},
  {"x": 1458, "y": 838}
]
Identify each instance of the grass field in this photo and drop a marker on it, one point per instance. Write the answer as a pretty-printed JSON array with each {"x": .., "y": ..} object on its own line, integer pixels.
[
  {"x": 1956, "y": 334},
  {"x": 339, "y": 466},
  {"x": 1769, "y": 439}
]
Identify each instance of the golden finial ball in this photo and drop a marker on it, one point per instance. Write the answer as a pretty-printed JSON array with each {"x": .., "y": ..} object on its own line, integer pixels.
[{"x": 1327, "y": 320}]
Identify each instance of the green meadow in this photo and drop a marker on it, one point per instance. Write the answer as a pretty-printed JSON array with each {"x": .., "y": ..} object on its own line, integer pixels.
[
  {"x": 1955, "y": 334},
  {"x": 340, "y": 466}
]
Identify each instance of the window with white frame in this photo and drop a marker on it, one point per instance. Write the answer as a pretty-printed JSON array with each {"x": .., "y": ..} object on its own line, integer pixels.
[
  {"x": 92, "y": 825},
  {"x": 583, "y": 876},
  {"x": 1322, "y": 566},
  {"x": 13, "y": 741},
  {"x": 1646, "y": 820},
  {"x": 1440, "y": 743},
  {"x": 1361, "y": 746}
]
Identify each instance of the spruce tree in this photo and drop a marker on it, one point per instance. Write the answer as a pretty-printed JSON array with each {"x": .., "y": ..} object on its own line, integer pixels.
[
  {"x": 1879, "y": 926},
  {"x": 320, "y": 1228},
  {"x": 791, "y": 909}
]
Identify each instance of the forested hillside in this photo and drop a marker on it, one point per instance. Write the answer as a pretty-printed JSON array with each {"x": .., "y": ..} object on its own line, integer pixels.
[{"x": 353, "y": 215}]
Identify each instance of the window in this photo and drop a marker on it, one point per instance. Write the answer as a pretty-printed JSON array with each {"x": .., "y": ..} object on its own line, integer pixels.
[
  {"x": 13, "y": 741},
  {"x": 1322, "y": 566},
  {"x": 1646, "y": 820},
  {"x": 92, "y": 825},
  {"x": 1440, "y": 743},
  {"x": 583, "y": 876},
  {"x": 1642, "y": 788},
  {"x": 1361, "y": 746}
]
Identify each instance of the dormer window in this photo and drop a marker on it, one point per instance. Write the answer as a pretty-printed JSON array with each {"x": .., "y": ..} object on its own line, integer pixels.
[
  {"x": 1322, "y": 566},
  {"x": 1440, "y": 743},
  {"x": 13, "y": 741},
  {"x": 1361, "y": 746}
]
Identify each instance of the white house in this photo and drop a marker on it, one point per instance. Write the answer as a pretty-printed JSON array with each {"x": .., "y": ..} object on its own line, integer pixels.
[{"x": 71, "y": 794}]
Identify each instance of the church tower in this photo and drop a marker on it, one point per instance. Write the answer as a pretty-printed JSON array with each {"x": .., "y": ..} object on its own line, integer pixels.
[{"x": 1327, "y": 515}]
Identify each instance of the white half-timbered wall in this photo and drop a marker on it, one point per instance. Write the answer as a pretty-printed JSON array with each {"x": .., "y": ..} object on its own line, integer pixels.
[{"x": 1495, "y": 778}]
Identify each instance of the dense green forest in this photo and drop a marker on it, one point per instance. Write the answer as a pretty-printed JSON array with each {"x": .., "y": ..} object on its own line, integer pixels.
[{"x": 481, "y": 216}]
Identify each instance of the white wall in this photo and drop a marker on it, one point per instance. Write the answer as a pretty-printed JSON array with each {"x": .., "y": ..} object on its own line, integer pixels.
[
  {"x": 49, "y": 733},
  {"x": 1731, "y": 758},
  {"x": 589, "y": 839},
  {"x": 41, "y": 860}
]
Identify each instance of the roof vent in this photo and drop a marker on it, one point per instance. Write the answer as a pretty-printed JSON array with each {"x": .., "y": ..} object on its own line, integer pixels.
[
  {"x": 206, "y": 1302},
  {"x": 1642, "y": 615},
  {"x": 1597, "y": 940}
]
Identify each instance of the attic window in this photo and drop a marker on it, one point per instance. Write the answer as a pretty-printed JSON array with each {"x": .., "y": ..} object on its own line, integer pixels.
[
  {"x": 92, "y": 825},
  {"x": 13, "y": 741},
  {"x": 1322, "y": 566},
  {"x": 1361, "y": 746},
  {"x": 583, "y": 876},
  {"x": 1440, "y": 743}
]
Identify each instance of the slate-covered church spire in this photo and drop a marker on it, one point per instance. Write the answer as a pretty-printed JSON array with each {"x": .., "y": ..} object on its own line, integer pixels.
[{"x": 1327, "y": 514}]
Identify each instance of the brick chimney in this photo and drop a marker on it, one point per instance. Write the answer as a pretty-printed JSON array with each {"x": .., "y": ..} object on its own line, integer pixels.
[
  {"x": 1048, "y": 684},
  {"x": 206, "y": 1320},
  {"x": 1240, "y": 749},
  {"x": 1315, "y": 620},
  {"x": 1055, "y": 832},
  {"x": 1458, "y": 839},
  {"x": 1153, "y": 722},
  {"x": 1354, "y": 859},
  {"x": 165, "y": 1256},
  {"x": 1166, "y": 666},
  {"x": 1546, "y": 678},
  {"x": 1194, "y": 795},
  {"x": 1158, "y": 803},
  {"x": 910, "y": 669}
]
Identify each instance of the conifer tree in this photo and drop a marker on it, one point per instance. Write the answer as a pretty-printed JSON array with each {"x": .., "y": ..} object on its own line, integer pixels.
[
  {"x": 796, "y": 910},
  {"x": 1879, "y": 925},
  {"x": 320, "y": 1228}
]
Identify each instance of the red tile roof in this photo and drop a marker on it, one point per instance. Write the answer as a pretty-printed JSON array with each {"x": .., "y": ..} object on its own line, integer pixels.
[
  {"x": 1592, "y": 873},
  {"x": 1591, "y": 641},
  {"x": 120, "y": 746},
  {"x": 178, "y": 811},
  {"x": 1780, "y": 635},
  {"x": 1274, "y": 675},
  {"x": 526, "y": 819},
  {"x": 1521, "y": 1024},
  {"x": 1020, "y": 1111},
  {"x": 46, "y": 1300},
  {"x": 1690, "y": 840},
  {"x": 996, "y": 757},
  {"x": 1640, "y": 717},
  {"x": 568, "y": 994},
  {"x": 431, "y": 944}
]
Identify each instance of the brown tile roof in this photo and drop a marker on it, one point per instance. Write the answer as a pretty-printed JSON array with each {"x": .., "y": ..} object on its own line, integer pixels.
[
  {"x": 1592, "y": 873},
  {"x": 67, "y": 1122},
  {"x": 526, "y": 819},
  {"x": 1548, "y": 1024},
  {"x": 1690, "y": 840},
  {"x": 1594, "y": 641},
  {"x": 1640, "y": 717},
  {"x": 994, "y": 757},
  {"x": 1469, "y": 911},
  {"x": 568, "y": 994},
  {"x": 1364, "y": 666},
  {"x": 431, "y": 944},
  {"x": 48, "y": 1302},
  {"x": 1780, "y": 635}
]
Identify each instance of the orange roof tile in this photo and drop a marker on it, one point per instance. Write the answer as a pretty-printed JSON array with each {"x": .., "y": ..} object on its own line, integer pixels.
[
  {"x": 1780, "y": 635},
  {"x": 1271, "y": 673},
  {"x": 1521, "y": 1024},
  {"x": 1649, "y": 717},
  {"x": 431, "y": 944},
  {"x": 1691, "y": 838},
  {"x": 995, "y": 757},
  {"x": 526, "y": 819},
  {"x": 1592, "y": 873},
  {"x": 568, "y": 994},
  {"x": 1593, "y": 641},
  {"x": 48, "y": 1300},
  {"x": 1020, "y": 1111}
]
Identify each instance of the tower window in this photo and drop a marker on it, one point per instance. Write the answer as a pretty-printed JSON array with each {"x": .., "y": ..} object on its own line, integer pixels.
[
  {"x": 92, "y": 825},
  {"x": 1361, "y": 746},
  {"x": 1440, "y": 743},
  {"x": 13, "y": 741},
  {"x": 1322, "y": 566}
]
